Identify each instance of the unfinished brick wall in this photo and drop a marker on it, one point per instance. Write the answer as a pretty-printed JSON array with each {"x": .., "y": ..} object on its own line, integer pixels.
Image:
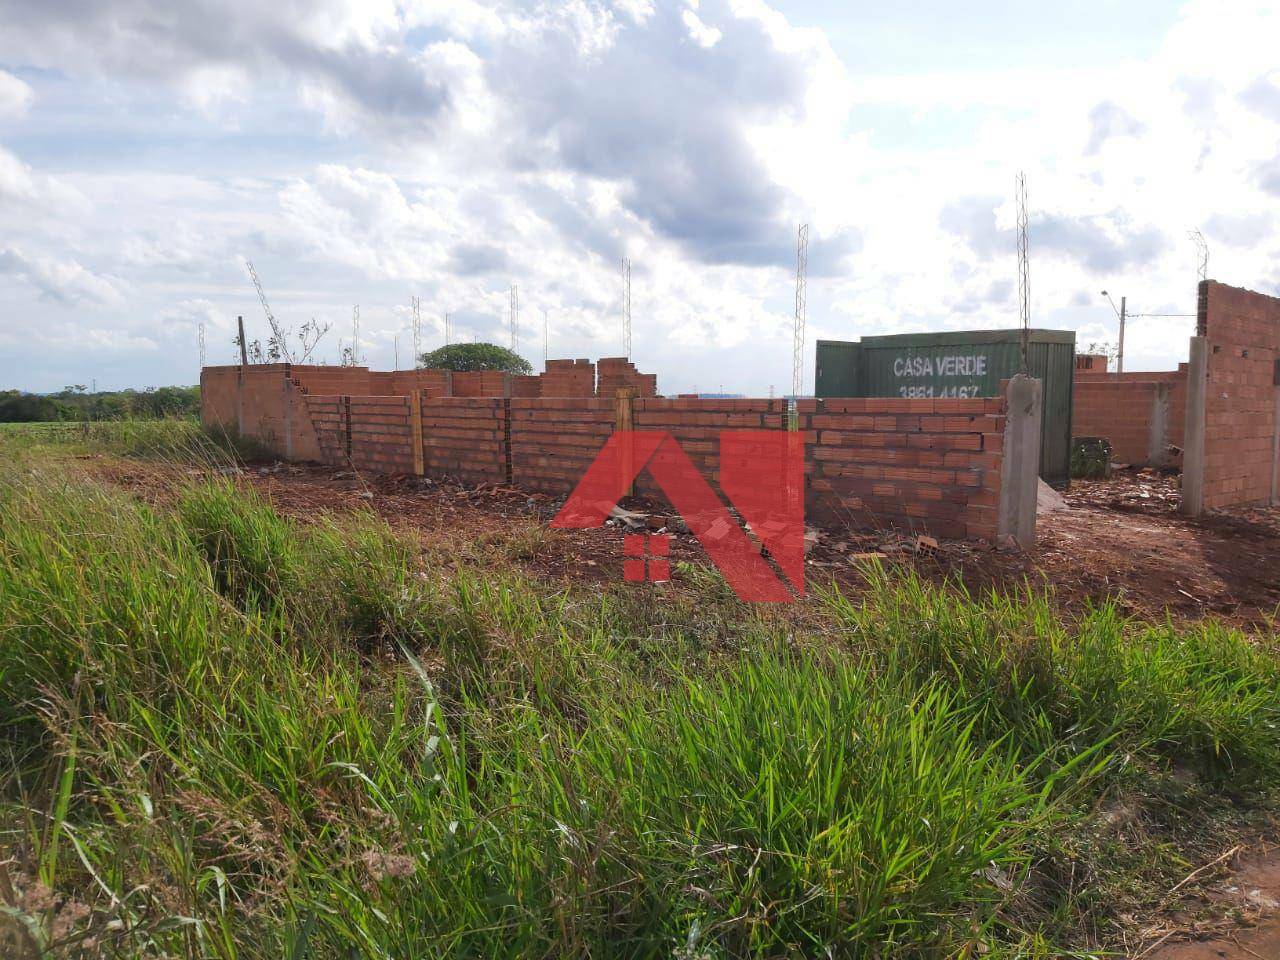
[
  {"x": 1142, "y": 414},
  {"x": 527, "y": 387},
  {"x": 932, "y": 465},
  {"x": 219, "y": 397},
  {"x": 263, "y": 390},
  {"x": 481, "y": 383},
  {"x": 314, "y": 378},
  {"x": 1242, "y": 329},
  {"x": 400, "y": 383},
  {"x": 569, "y": 378},
  {"x": 696, "y": 424},
  {"x": 261, "y": 402},
  {"x": 1091, "y": 362},
  {"x": 562, "y": 378},
  {"x": 265, "y": 402},
  {"x": 617, "y": 372},
  {"x": 330, "y": 420},
  {"x": 927, "y": 465},
  {"x": 381, "y": 440},
  {"x": 554, "y": 440},
  {"x": 466, "y": 439}
]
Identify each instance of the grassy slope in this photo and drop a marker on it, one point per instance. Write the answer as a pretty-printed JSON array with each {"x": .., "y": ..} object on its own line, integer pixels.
[{"x": 234, "y": 736}]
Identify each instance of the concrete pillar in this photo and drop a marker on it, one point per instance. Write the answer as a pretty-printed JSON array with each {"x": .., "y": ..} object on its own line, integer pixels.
[
  {"x": 1158, "y": 427},
  {"x": 240, "y": 400},
  {"x": 1193, "y": 435},
  {"x": 1020, "y": 468},
  {"x": 286, "y": 401}
]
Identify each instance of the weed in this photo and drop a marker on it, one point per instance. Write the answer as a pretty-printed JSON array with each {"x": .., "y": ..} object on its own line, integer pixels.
[{"x": 232, "y": 734}]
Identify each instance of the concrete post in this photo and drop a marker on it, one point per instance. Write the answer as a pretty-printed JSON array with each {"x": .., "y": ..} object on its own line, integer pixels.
[
  {"x": 1193, "y": 435},
  {"x": 286, "y": 399},
  {"x": 240, "y": 401},
  {"x": 1020, "y": 467},
  {"x": 1158, "y": 427}
]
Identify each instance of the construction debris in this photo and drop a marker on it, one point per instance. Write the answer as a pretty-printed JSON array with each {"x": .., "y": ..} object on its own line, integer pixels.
[{"x": 1048, "y": 500}]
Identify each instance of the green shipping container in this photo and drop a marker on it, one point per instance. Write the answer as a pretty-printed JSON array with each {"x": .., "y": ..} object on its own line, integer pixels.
[{"x": 960, "y": 364}]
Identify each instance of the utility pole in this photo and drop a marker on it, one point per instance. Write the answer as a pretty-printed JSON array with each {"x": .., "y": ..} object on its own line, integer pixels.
[
  {"x": 448, "y": 329},
  {"x": 1120, "y": 347},
  {"x": 201, "y": 344},
  {"x": 1121, "y": 315},
  {"x": 244, "y": 350},
  {"x": 545, "y": 338}
]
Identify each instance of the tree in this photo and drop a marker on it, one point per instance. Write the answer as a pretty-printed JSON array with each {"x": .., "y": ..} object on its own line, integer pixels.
[
  {"x": 476, "y": 356},
  {"x": 16, "y": 407}
]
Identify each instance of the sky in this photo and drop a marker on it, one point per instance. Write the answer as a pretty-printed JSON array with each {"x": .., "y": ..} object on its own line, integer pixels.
[{"x": 370, "y": 152}]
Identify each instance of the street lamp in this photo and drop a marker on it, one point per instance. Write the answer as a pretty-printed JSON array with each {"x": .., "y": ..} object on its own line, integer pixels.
[{"x": 1120, "y": 313}]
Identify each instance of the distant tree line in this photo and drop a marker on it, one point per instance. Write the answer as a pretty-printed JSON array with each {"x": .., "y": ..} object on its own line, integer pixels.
[{"x": 75, "y": 403}]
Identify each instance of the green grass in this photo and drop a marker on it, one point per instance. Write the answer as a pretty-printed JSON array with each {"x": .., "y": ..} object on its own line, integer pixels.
[
  {"x": 232, "y": 735},
  {"x": 177, "y": 439}
]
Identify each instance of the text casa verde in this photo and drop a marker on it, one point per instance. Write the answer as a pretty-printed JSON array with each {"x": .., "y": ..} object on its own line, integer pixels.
[{"x": 956, "y": 365}]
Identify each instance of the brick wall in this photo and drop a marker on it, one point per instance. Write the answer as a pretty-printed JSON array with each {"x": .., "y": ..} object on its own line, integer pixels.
[
  {"x": 526, "y": 386},
  {"x": 932, "y": 465},
  {"x": 927, "y": 465},
  {"x": 329, "y": 420},
  {"x": 481, "y": 383},
  {"x": 1128, "y": 409},
  {"x": 616, "y": 372},
  {"x": 696, "y": 424},
  {"x": 568, "y": 378},
  {"x": 465, "y": 438},
  {"x": 1093, "y": 362},
  {"x": 381, "y": 440},
  {"x": 554, "y": 440},
  {"x": 219, "y": 397},
  {"x": 262, "y": 404},
  {"x": 1243, "y": 333}
]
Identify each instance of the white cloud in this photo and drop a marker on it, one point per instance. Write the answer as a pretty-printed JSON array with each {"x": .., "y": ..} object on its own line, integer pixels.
[
  {"x": 21, "y": 187},
  {"x": 15, "y": 96},
  {"x": 62, "y": 281},
  {"x": 367, "y": 152}
]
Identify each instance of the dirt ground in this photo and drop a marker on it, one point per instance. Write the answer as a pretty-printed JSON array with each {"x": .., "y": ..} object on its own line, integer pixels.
[
  {"x": 1249, "y": 897},
  {"x": 1120, "y": 539}
]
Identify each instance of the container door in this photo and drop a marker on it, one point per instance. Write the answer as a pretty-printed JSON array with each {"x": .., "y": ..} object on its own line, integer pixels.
[{"x": 836, "y": 370}]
